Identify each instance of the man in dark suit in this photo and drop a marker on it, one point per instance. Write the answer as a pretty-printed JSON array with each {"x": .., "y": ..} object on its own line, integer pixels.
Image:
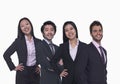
[
  {"x": 48, "y": 75},
  {"x": 97, "y": 73}
]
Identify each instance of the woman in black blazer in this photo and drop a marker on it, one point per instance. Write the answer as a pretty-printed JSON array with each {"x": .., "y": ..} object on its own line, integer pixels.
[
  {"x": 27, "y": 71},
  {"x": 72, "y": 51}
]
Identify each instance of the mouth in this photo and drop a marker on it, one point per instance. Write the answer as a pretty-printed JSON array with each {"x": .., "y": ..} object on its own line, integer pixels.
[
  {"x": 26, "y": 30},
  {"x": 70, "y": 35}
]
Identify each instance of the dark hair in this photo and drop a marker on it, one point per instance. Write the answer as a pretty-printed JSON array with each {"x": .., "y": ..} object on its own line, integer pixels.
[
  {"x": 65, "y": 39},
  {"x": 20, "y": 33},
  {"x": 48, "y": 23},
  {"x": 95, "y": 23}
]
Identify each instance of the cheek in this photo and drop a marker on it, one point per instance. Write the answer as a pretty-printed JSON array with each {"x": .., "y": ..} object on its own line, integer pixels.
[
  {"x": 30, "y": 29},
  {"x": 66, "y": 34},
  {"x": 53, "y": 32},
  {"x": 45, "y": 33},
  {"x": 22, "y": 29}
]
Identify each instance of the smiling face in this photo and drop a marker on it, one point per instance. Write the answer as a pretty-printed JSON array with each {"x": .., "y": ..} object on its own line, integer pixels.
[
  {"x": 48, "y": 32},
  {"x": 70, "y": 32},
  {"x": 25, "y": 27},
  {"x": 97, "y": 33}
]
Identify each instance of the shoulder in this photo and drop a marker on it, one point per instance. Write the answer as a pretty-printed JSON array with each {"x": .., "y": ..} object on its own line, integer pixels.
[
  {"x": 37, "y": 39},
  {"x": 82, "y": 44},
  {"x": 90, "y": 45},
  {"x": 64, "y": 44},
  {"x": 55, "y": 45},
  {"x": 17, "y": 40}
]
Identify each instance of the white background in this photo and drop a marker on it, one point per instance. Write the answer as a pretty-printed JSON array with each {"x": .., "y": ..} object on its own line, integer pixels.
[{"x": 82, "y": 12}]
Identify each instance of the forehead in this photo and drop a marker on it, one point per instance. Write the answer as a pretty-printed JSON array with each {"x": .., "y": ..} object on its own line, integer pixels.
[
  {"x": 24, "y": 21},
  {"x": 48, "y": 26},
  {"x": 96, "y": 27},
  {"x": 68, "y": 26}
]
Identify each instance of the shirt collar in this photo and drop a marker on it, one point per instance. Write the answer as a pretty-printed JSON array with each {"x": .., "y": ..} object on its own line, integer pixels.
[
  {"x": 48, "y": 42},
  {"x": 76, "y": 45},
  {"x": 27, "y": 38},
  {"x": 96, "y": 44}
]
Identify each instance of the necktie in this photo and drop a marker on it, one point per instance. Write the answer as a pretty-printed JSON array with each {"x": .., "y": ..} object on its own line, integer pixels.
[
  {"x": 52, "y": 48},
  {"x": 102, "y": 55}
]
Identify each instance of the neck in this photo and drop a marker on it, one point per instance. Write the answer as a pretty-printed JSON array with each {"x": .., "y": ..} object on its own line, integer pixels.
[
  {"x": 99, "y": 42},
  {"x": 29, "y": 37},
  {"x": 73, "y": 42}
]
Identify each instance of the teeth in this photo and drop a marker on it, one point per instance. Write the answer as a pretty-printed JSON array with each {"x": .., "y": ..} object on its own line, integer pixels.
[
  {"x": 26, "y": 29},
  {"x": 70, "y": 34}
]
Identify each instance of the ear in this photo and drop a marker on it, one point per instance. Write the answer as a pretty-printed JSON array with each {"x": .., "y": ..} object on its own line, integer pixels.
[{"x": 90, "y": 34}]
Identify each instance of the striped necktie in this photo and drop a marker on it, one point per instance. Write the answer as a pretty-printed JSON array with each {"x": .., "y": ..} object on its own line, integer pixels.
[
  {"x": 102, "y": 53},
  {"x": 52, "y": 48}
]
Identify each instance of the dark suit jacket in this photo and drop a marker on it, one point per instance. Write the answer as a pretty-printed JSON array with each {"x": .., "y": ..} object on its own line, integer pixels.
[
  {"x": 76, "y": 68},
  {"x": 19, "y": 45},
  {"x": 96, "y": 69},
  {"x": 48, "y": 76}
]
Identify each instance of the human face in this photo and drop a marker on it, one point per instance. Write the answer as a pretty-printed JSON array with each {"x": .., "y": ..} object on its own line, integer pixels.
[
  {"x": 97, "y": 33},
  {"x": 25, "y": 27},
  {"x": 70, "y": 32},
  {"x": 48, "y": 32}
]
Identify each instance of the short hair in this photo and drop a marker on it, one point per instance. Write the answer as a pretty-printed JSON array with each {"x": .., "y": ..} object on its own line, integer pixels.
[
  {"x": 95, "y": 23},
  {"x": 48, "y": 23}
]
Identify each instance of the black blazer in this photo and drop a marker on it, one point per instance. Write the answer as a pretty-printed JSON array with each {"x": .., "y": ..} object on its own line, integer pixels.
[
  {"x": 76, "y": 68},
  {"x": 46, "y": 55},
  {"x": 48, "y": 75},
  {"x": 48, "y": 49},
  {"x": 19, "y": 45},
  {"x": 96, "y": 69}
]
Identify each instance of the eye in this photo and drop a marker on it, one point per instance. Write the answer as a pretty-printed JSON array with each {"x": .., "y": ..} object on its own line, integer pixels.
[
  {"x": 22, "y": 26},
  {"x": 66, "y": 30},
  {"x": 27, "y": 23},
  {"x": 100, "y": 30},
  {"x": 94, "y": 31},
  {"x": 46, "y": 30},
  {"x": 71, "y": 28}
]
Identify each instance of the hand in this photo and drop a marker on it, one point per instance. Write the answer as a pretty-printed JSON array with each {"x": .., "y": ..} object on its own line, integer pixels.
[
  {"x": 20, "y": 67},
  {"x": 37, "y": 70},
  {"x": 64, "y": 73}
]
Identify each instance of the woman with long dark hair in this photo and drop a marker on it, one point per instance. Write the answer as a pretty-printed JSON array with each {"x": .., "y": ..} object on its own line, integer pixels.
[
  {"x": 72, "y": 51},
  {"x": 27, "y": 71}
]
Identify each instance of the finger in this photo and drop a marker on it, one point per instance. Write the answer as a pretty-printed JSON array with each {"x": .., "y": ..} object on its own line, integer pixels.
[
  {"x": 21, "y": 69},
  {"x": 65, "y": 70},
  {"x": 21, "y": 64}
]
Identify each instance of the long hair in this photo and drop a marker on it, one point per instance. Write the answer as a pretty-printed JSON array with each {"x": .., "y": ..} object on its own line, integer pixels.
[
  {"x": 65, "y": 39},
  {"x": 20, "y": 33}
]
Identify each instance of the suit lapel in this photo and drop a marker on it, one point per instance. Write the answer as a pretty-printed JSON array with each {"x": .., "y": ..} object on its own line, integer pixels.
[
  {"x": 23, "y": 46},
  {"x": 105, "y": 55},
  {"x": 48, "y": 51},
  {"x": 68, "y": 51},
  {"x": 78, "y": 50},
  {"x": 96, "y": 51},
  {"x": 46, "y": 45},
  {"x": 55, "y": 47}
]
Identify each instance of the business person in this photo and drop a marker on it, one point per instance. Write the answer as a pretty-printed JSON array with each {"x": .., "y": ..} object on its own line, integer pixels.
[
  {"x": 48, "y": 75},
  {"x": 72, "y": 51},
  {"x": 27, "y": 71},
  {"x": 97, "y": 73}
]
